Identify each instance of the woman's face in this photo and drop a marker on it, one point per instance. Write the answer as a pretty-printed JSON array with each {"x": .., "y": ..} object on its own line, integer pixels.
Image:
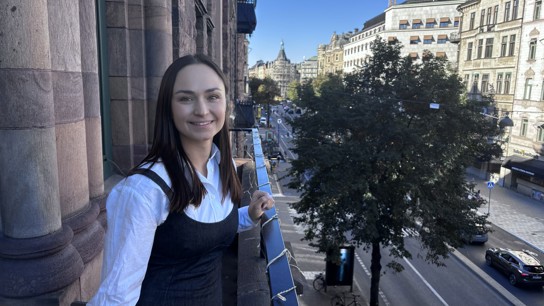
[{"x": 199, "y": 104}]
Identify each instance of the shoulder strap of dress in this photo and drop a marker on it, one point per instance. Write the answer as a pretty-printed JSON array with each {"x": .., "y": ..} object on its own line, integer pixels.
[{"x": 157, "y": 179}]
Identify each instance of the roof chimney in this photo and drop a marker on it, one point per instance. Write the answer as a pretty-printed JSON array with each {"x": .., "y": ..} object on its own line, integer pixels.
[{"x": 392, "y": 2}]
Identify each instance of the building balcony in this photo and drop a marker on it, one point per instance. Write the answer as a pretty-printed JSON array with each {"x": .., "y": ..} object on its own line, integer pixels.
[
  {"x": 455, "y": 38},
  {"x": 261, "y": 249},
  {"x": 247, "y": 20}
]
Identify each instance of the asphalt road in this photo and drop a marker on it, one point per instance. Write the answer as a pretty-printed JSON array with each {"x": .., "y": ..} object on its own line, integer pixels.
[{"x": 421, "y": 283}]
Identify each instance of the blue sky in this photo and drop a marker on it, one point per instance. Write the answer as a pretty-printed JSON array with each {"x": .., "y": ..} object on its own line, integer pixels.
[{"x": 304, "y": 24}]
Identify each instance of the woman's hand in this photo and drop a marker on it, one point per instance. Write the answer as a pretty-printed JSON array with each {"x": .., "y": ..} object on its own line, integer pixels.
[{"x": 260, "y": 202}]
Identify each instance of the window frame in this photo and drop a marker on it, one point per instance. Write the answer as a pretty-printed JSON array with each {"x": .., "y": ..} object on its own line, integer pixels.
[
  {"x": 488, "y": 52},
  {"x": 472, "y": 20},
  {"x": 479, "y": 48},
  {"x": 499, "y": 83},
  {"x": 532, "y": 49},
  {"x": 512, "y": 45},
  {"x": 485, "y": 82},
  {"x": 482, "y": 18},
  {"x": 507, "y": 11},
  {"x": 537, "y": 10},
  {"x": 540, "y": 134},
  {"x": 504, "y": 45},
  {"x": 528, "y": 89},
  {"x": 523, "y": 127},
  {"x": 470, "y": 45},
  {"x": 515, "y": 7},
  {"x": 507, "y": 80},
  {"x": 496, "y": 14}
]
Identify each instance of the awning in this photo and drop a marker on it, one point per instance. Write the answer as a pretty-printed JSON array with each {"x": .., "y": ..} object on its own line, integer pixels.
[
  {"x": 391, "y": 38},
  {"x": 427, "y": 37},
  {"x": 403, "y": 22},
  {"x": 527, "y": 166},
  {"x": 456, "y": 18},
  {"x": 443, "y": 36},
  {"x": 414, "y": 37},
  {"x": 431, "y": 20},
  {"x": 416, "y": 21},
  {"x": 440, "y": 54},
  {"x": 445, "y": 19},
  {"x": 413, "y": 54}
]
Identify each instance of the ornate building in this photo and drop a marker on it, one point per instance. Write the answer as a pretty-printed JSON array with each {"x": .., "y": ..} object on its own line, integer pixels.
[
  {"x": 308, "y": 69},
  {"x": 330, "y": 57},
  {"x": 280, "y": 70}
]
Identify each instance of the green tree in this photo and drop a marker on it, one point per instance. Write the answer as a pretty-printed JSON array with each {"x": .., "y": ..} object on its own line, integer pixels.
[
  {"x": 382, "y": 163},
  {"x": 293, "y": 91},
  {"x": 264, "y": 92}
]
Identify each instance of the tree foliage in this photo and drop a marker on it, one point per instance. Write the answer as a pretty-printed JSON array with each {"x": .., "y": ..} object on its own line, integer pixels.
[
  {"x": 293, "y": 91},
  {"x": 264, "y": 91},
  {"x": 382, "y": 163}
]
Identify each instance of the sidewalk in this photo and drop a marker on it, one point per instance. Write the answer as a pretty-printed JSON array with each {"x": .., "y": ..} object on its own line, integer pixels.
[{"x": 516, "y": 213}]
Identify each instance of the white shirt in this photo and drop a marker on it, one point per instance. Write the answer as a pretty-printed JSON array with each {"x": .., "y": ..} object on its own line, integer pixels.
[{"x": 135, "y": 207}]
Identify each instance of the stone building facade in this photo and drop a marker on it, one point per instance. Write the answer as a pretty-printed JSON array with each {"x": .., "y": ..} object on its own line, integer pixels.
[
  {"x": 330, "y": 56},
  {"x": 358, "y": 50},
  {"x": 78, "y": 85},
  {"x": 307, "y": 69},
  {"x": 526, "y": 143}
]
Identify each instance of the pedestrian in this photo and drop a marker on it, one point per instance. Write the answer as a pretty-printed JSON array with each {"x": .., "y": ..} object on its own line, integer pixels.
[{"x": 171, "y": 218}]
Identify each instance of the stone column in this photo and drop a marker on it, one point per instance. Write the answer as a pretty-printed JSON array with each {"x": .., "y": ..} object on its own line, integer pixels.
[
  {"x": 36, "y": 256},
  {"x": 158, "y": 51}
]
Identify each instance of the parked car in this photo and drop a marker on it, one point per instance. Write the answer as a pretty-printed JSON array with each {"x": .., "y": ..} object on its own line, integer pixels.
[
  {"x": 521, "y": 267},
  {"x": 479, "y": 237},
  {"x": 262, "y": 121}
]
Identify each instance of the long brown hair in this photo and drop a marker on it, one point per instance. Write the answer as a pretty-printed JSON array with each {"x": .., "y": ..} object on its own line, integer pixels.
[{"x": 186, "y": 186}]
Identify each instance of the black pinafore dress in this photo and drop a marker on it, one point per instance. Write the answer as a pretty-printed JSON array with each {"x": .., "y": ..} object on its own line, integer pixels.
[{"x": 185, "y": 263}]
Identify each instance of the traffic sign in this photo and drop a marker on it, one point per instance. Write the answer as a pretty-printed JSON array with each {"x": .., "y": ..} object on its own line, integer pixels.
[
  {"x": 279, "y": 121},
  {"x": 490, "y": 184}
]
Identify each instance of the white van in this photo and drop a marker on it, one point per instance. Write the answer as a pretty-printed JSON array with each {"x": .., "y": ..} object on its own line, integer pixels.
[{"x": 262, "y": 121}]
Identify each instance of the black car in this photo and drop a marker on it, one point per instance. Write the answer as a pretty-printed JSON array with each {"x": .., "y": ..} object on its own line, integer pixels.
[{"x": 522, "y": 267}]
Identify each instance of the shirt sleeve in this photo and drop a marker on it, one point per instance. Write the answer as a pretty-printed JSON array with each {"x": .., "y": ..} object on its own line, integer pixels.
[
  {"x": 132, "y": 222},
  {"x": 244, "y": 220}
]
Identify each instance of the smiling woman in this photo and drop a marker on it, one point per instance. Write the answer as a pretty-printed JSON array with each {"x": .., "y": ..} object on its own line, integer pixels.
[{"x": 171, "y": 218}]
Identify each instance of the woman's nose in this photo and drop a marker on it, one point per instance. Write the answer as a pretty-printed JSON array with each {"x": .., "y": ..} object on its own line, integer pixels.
[{"x": 201, "y": 108}]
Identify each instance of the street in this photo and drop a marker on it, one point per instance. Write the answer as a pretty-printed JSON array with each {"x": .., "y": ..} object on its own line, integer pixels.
[{"x": 420, "y": 283}]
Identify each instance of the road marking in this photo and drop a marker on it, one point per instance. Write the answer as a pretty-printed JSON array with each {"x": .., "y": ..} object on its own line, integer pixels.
[
  {"x": 369, "y": 275},
  {"x": 278, "y": 185},
  {"x": 425, "y": 282}
]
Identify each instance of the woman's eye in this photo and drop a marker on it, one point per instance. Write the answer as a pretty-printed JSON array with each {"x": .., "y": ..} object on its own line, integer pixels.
[
  {"x": 184, "y": 99},
  {"x": 214, "y": 97}
]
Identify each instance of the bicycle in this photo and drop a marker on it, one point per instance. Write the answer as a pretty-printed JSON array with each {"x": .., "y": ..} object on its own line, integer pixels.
[
  {"x": 341, "y": 300},
  {"x": 319, "y": 282}
]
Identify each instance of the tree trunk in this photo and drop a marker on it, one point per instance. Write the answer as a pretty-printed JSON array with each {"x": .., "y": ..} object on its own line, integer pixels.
[{"x": 375, "y": 270}]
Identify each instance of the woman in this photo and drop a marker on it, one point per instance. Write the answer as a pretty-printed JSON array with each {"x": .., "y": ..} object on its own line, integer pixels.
[{"x": 168, "y": 227}]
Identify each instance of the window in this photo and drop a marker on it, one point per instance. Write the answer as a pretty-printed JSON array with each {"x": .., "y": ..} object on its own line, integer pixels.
[
  {"x": 456, "y": 22},
  {"x": 499, "y": 83},
  {"x": 469, "y": 51},
  {"x": 528, "y": 89},
  {"x": 416, "y": 24},
  {"x": 488, "y": 48},
  {"x": 538, "y": 8},
  {"x": 515, "y": 9},
  {"x": 442, "y": 39},
  {"x": 430, "y": 23},
  {"x": 507, "y": 77},
  {"x": 444, "y": 22},
  {"x": 336, "y": 58},
  {"x": 504, "y": 44},
  {"x": 485, "y": 83},
  {"x": 482, "y": 17},
  {"x": 507, "y": 11},
  {"x": 495, "y": 14},
  {"x": 524, "y": 124},
  {"x": 427, "y": 39},
  {"x": 480, "y": 47},
  {"x": 512, "y": 45},
  {"x": 467, "y": 77},
  {"x": 532, "y": 49},
  {"x": 414, "y": 40},
  {"x": 488, "y": 16},
  {"x": 540, "y": 134},
  {"x": 476, "y": 80},
  {"x": 472, "y": 17},
  {"x": 403, "y": 24}
]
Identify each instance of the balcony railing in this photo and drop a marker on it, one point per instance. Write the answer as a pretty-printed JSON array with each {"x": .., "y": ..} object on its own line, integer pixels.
[
  {"x": 247, "y": 20},
  {"x": 280, "y": 279}
]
